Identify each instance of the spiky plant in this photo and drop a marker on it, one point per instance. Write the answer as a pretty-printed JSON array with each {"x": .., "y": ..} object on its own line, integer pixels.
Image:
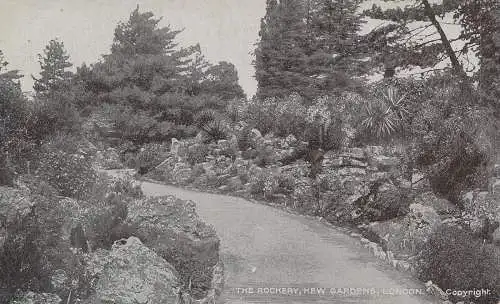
[
  {"x": 385, "y": 116},
  {"x": 212, "y": 123}
]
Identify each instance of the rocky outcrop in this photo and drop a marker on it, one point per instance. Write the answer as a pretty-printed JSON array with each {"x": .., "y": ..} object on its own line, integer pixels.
[
  {"x": 406, "y": 235},
  {"x": 182, "y": 250},
  {"x": 132, "y": 273},
  {"x": 172, "y": 228}
]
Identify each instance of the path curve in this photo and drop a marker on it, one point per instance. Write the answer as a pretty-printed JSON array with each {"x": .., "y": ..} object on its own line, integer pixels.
[{"x": 264, "y": 247}]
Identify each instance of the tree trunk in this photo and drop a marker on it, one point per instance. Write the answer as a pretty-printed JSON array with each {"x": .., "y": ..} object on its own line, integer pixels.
[{"x": 429, "y": 12}]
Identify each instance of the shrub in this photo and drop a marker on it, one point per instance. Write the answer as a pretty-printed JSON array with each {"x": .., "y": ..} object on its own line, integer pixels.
[
  {"x": 107, "y": 226},
  {"x": 6, "y": 171},
  {"x": 197, "y": 153},
  {"x": 213, "y": 124},
  {"x": 21, "y": 260},
  {"x": 453, "y": 137},
  {"x": 66, "y": 167},
  {"x": 454, "y": 259}
]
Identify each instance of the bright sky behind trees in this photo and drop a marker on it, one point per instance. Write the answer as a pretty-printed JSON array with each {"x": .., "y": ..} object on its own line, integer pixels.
[{"x": 225, "y": 29}]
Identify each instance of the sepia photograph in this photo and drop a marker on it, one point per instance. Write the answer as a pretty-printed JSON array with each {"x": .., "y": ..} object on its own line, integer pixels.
[{"x": 249, "y": 151}]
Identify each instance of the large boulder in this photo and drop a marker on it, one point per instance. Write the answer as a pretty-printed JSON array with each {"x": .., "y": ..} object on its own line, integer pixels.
[
  {"x": 172, "y": 228},
  {"x": 132, "y": 273},
  {"x": 440, "y": 205},
  {"x": 406, "y": 235}
]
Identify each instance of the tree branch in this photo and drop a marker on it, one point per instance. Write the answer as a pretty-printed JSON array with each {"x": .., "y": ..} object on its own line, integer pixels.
[{"x": 429, "y": 12}]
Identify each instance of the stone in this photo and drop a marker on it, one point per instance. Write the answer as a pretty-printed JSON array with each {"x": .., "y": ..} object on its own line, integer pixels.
[
  {"x": 132, "y": 273},
  {"x": 37, "y": 298},
  {"x": 172, "y": 228},
  {"x": 354, "y": 163},
  {"x": 496, "y": 170},
  {"x": 434, "y": 290},
  {"x": 174, "y": 146},
  {"x": 403, "y": 266},
  {"x": 440, "y": 205},
  {"x": 352, "y": 171}
]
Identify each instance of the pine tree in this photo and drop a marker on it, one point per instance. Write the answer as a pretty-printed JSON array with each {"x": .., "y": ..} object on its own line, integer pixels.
[
  {"x": 280, "y": 55},
  {"x": 310, "y": 47},
  {"x": 397, "y": 44},
  {"x": 222, "y": 80},
  {"x": 336, "y": 46},
  {"x": 480, "y": 20},
  {"x": 54, "y": 64}
]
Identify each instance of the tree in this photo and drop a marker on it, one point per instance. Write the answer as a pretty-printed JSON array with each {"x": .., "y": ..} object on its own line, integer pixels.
[
  {"x": 222, "y": 80},
  {"x": 335, "y": 48},
  {"x": 408, "y": 38},
  {"x": 54, "y": 64},
  {"x": 310, "y": 47},
  {"x": 280, "y": 55},
  {"x": 480, "y": 21},
  {"x": 54, "y": 108},
  {"x": 150, "y": 76},
  {"x": 12, "y": 115},
  {"x": 141, "y": 35}
]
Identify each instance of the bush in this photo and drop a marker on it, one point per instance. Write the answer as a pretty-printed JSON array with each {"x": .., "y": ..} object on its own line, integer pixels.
[
  {"x": 6, "y": 171},
  {"x": 21, "y": 260},
  {"x": 384, "y": 201},
  {"x": 66, "y": 167},
  {"x": 454, "y": 259},
  {"x": 197, "y": 153},
  {"x": 453, "y": 137}
]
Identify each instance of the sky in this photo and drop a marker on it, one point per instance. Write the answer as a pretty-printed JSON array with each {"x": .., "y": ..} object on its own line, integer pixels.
[{"x": 227, "y": 30}]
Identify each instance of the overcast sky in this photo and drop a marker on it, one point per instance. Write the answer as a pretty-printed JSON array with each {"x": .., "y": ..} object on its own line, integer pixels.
[{"x": 226, "y": 29}]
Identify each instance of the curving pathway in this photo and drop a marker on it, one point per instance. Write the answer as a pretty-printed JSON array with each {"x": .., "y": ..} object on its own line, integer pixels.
[{"x": 292, "y": 259}]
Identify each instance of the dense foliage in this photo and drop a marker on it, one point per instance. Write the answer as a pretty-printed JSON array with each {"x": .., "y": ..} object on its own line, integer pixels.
[{"x": 454, "y": 259}]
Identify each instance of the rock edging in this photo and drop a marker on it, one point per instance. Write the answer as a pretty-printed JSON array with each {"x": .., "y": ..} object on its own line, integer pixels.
[{"x": 374, "y": 248}]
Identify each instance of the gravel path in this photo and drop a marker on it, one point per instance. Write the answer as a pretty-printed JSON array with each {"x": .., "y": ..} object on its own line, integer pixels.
[{"x": 272, "y": 256}]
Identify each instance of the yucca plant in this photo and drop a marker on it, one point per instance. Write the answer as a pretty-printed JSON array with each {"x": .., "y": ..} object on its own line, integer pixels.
[
  {"x": 212, "y": 123},
  {"x": 385, "y": 115}
]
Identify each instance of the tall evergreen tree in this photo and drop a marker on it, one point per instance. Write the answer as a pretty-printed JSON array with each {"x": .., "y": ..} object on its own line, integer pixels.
[
  {"x": 222, "y": 80},
  {"x": 55, "y": 109},
  {"x": 280, "y": 55},
  {"x": 308, "y": 46},
  {"x": 54, "y": 64},
  {"x": 336, "y": 45}
]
